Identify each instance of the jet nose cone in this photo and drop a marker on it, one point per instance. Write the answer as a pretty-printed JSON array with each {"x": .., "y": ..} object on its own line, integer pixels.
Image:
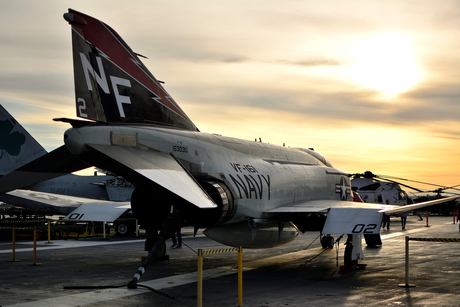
[{"x": 73, "y": 141}]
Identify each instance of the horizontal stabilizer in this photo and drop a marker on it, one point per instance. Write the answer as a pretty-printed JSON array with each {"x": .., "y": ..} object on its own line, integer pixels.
[
  {"x": 57, "y": 163},
  {"x": 98, "y": 212},
  {"x": 161, "y": 169}
]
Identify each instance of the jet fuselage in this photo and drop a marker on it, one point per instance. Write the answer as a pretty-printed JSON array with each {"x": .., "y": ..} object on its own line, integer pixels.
[{"x": 260, "y": 176}]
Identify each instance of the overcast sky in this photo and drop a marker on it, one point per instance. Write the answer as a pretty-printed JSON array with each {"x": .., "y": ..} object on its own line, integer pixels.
[{"x": 371, "y": 85}]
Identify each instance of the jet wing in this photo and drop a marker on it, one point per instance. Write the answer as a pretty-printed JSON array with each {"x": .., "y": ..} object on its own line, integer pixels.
[
  {"x": 323, "y": 206},
  {"x": 343, "y": 217},
  {"x": 352, "y": 217},
  {"x": 399, "y": 209},
  {"x": 160, "y": 168},
  {"x": 98, "y": 212},
  {"x": 84, "y": 209}
]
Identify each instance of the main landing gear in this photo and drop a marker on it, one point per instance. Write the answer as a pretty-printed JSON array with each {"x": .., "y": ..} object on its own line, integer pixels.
[{"x": 327, "y": 241}]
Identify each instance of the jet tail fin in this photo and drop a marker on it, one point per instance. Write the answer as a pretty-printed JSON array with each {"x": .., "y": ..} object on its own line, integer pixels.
[
  {"x": 112, "y": 84},
  {"x": 17, "y": 146}
]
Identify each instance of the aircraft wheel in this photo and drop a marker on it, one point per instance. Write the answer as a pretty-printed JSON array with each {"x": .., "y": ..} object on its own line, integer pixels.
[
  {"x": 372, "y": 240},
  {"x": 161, "y": 252},
  {"x": 122, "y": 229},
  {"x": 327, "y": 242}
]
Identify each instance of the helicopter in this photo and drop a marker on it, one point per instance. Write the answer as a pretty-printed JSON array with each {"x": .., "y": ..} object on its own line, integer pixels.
[
  {"x": 380, "y": 188},
  {"x": 376, "y": 189}
]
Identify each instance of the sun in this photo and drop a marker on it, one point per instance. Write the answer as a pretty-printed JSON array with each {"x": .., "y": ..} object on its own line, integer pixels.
[{"x": 385, "y": 63}]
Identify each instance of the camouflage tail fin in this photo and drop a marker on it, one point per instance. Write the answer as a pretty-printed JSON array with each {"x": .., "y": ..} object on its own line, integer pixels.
[{"x": 17, "y": 146}]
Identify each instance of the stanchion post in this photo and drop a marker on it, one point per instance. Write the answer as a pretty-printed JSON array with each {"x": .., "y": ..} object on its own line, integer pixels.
[
  {"x": 427, "y": 219},
  {"x": 240, "y": 277},
  {"x": 200, "y": 273},
  {"x": 35, "y": 245},
  {"x": 200, "y": 278},
  {"x": 406, "y": 284},
  {"x": 14, "y": 243},
  {"x": 407, "y": 261},
  {"x": 49, "y": 232}
]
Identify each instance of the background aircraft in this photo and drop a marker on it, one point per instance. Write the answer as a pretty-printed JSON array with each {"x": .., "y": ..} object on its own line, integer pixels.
[
  {"x": 379, "y": 188},
  {"x": 59, "y": 195},
  {"x": 373, "y": 189},
  {"x": 244, "y": 193}
]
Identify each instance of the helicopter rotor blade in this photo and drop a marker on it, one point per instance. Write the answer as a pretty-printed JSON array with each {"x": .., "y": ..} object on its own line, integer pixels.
[
  {"x": 404, "y": 185},
  {"x": 441, "y": 187},
  {"x": 398, "y": 178}
]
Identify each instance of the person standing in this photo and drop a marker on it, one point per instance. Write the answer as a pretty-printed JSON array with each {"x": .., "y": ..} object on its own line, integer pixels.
[
  {"x": 178, "y": 225},
  {"x": 403, "y": 220},
  {"x": 386, "y": 218}
]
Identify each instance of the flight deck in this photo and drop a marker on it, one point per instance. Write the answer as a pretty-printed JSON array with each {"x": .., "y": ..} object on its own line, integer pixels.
[{"x": 96, "y": 271}]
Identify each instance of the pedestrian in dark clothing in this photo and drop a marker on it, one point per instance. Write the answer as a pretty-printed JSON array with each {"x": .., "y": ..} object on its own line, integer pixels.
[
  {"x": 403, "y": 220},
  {"x": 178, "y": 219},
  {"x": 386, "y": 218}
]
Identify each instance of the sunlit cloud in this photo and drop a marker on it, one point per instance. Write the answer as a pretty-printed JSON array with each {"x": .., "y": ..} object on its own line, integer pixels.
[
  {"x": 372, "y": 85},
  {"x": 385, "y": 62}
]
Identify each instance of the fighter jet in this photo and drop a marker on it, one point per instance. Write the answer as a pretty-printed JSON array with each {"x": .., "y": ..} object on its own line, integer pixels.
[
  {"x": 61, "y": 195},
  {"x": 244, "y": 193}
]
